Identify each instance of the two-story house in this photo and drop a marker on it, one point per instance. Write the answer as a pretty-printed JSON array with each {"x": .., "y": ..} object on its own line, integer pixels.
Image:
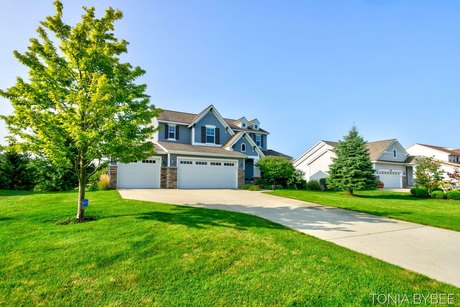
[
  {"x": 203, "y": 150},
  {"x": 392, "y": 163},
  {"x": 449, "y": 157}
]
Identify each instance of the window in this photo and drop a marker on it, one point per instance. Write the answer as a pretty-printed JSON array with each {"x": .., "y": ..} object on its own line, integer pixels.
[
  {"x": 186, "y": 162},
  {"x": 394, "y": 153},
  {"x": 210, "y": 135},
  {"x": 229, "y": 164},
  {"x": 201, "y": 163},
  {"x": 172, "y": 132},
  {"x": 255, "y": 126},
  {"x": 243, "y": 147},
  {"x": 243, "y": 125},
  {"x": 216, "y": 163},
  {"x": 259, "y": 140},
  {"x": 149, "y": 161}
]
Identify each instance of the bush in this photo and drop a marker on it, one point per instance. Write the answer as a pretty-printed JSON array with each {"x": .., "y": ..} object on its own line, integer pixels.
[
  {"x": 421, "y": 193},
  {"x": 104, "y": 182},
  {"x": 412, "y": 191},
  {"x": 323, "y": 183},
  {"x": 277, "y": 170},
  {"x": 453, "y": 195},
  {"x": 438, "y": 194},
  {"x": 313, "y": 185},
  {"x": 251, "y": 187}
]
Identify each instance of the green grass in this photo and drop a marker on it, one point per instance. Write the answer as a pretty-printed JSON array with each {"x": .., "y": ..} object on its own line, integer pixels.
[
  {"x": 434, "y": 212},
  {"x": 158, "y": 254}
]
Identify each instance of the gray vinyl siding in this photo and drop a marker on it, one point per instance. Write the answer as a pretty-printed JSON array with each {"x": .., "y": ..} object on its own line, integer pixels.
[
  {"x": 249, "y": 150},
  {"x": 185, "y": 134},
  {"x": 264, "y": 140},
  {"x": 210, "y": 119},
  {"x": 401, "y": 153}
]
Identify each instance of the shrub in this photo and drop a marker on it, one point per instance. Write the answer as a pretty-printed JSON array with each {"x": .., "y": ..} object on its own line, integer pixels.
[
  {"x": 380, "y": 184},
  {"x": 453, "y": 195},
  {"x": 412, "y": 191},
  {"x": 313, "y": 185},
  {"x": 104, "y": 182},
  {"x": 420, "y": 192},
  {"x": 251, "y": 187},
  {"x": 277, "y": 170},
  {"x": 438, "y": 194},
  {"x": 323, "y": 183}
]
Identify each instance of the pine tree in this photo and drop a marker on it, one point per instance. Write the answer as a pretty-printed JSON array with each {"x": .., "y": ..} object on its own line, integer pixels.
[{"x": 352, "y": 169}]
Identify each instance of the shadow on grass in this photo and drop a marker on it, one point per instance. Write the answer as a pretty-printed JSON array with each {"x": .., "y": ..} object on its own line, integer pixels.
[
  {"x": 390, "y": 196},
  {"x": 203, "y": 218}
]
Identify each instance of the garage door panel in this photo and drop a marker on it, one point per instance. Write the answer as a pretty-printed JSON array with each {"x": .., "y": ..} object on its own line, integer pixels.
[
  {"x": 207, "y": 174},
  {"x": 139, "y": 175},
  {"x": 390, "y": 179}
]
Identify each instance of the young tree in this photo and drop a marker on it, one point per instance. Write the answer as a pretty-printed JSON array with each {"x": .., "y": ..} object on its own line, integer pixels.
[
  {"x": 455, "y": 177},
  {"x": 80, "y": 104},
  {"x": 428, "y": 173},
  {"x": 352, "y": 169}
]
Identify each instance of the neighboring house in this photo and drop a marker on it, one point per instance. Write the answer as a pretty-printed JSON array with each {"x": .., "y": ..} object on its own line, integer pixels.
[
  {"x": 392, "y": 163},
  {"x": 449, "y": 158},
  {"x": 201, "y": 150}
]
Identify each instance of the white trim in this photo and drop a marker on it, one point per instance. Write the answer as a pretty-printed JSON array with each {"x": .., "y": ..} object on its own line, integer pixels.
[
  {"x": 216, "y": 113},
  {"x": 171, "y": 140},
  {"x": 307, "y": 153},
  {"x": 251, "y": 142},
  {"x": 210, "y": 126},
  {"x": 169, "y": 160},
  {"x": 385, "y": 150},
  {"x": 172, "y": 122},
  {"x": 208, "y": 144},
  {"x": 158, "y": 144},
  {"x": 193, "y": 135}
]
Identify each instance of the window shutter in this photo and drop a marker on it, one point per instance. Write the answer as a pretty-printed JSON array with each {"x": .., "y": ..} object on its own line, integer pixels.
[
  {"x": 166, "y": 131},
  {"x": 217, "y": 136},
  {"x": 203, "y": 134},
  {"x": 177, "y": 132},
  {"x": 261, "y": 141}
]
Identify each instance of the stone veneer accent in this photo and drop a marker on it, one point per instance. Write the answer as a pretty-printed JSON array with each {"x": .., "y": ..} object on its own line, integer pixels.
[
  {"x": 241, "y": 178},
  {"x": 168, "y": 178},
  {"x": 113, "y": 176}
]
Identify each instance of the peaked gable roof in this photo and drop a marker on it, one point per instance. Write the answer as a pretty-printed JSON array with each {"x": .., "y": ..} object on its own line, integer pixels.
[
  {"x": 188, "y": 118},
  {"x": 376, "y": 149},
  {"x": 238, "y": 136},
  {"x": 216, "y": 113},
  {"x": 442, "y": 149}
]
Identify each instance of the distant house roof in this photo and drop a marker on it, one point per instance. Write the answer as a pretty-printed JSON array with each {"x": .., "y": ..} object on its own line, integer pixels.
[
  {"x": 443, "y": 149},
  {"x": 274, "y": 153},
  {"x": 172, "y": 147},
  {"x": 188, "y": 118},
  {"x": 375, "y": 148}
]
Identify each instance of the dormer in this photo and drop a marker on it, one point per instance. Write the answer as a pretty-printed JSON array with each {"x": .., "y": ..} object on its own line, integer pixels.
[
  {"x": 254, "y": 124},
  {"x": 242, "y": 123}
]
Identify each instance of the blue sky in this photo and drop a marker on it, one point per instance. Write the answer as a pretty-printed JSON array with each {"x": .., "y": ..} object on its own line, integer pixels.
[{"x": 308, "y": 70}]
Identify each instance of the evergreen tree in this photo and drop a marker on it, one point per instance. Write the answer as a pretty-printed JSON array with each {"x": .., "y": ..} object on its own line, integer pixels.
[
  {"x": 15, "y": 173},
  {"x": 352, "y": 169}
]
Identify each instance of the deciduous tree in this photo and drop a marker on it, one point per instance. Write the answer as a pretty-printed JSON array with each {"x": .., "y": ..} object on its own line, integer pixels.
[
  {"x": 80, "y": 104},
  {"x": 428, "y": 173}
]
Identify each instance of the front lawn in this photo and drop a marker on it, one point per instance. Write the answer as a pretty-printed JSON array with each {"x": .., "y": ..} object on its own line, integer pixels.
[
  {"x": 157, "y": 254},
  {"x": 435, "y": 212}
]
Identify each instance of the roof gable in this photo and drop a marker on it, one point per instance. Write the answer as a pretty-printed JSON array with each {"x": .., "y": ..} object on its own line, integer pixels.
[{"x": 246, "y": 136}]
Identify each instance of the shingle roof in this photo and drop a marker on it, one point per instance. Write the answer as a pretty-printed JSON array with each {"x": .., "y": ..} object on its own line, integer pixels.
[
  {"x": 177, "y": 147},
  {"x": 443, "y": 149},
  {"x": 274, "y": 153},
  {"x": 375, "y": 148},
  {"x": 234, "y": 138},
  {"x": 187, "y": 118}
]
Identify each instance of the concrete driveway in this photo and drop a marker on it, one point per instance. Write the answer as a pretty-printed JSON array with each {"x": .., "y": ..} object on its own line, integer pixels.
[{"x": 431, "y": 251}]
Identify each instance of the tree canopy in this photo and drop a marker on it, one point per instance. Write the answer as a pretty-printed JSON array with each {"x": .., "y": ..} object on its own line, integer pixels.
[
  {"x": 428, "y": 173},
  {"x": 80, "y": 104},
  {"x": 352, "y": 169}
]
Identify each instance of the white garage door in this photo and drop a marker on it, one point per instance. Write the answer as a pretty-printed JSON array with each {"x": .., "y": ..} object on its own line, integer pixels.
[
  {"x": 207, "y": 174},
  {"x": 390, "y": 179},
  {"x": 139, "y": 175}
]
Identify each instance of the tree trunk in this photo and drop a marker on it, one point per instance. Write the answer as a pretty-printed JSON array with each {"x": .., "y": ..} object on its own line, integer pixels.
[
  {"x": 350, "y": 192},
  {"x": 81, "y": 193},
  {"x": 81, "y": 196}
]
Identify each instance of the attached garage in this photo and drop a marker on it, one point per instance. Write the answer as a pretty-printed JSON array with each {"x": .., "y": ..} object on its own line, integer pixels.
[
  {"x": 200, "y": 173},
  {"x": 139, "y": 175},
  {"x": 390, "y": 179}
]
